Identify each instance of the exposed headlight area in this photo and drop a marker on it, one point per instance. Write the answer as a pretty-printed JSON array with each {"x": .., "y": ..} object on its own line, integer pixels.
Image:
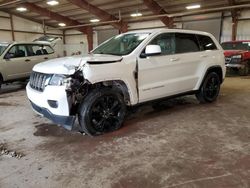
[
  {"x": 57, "y": 80},
  {"x": 60, "y": 80}
]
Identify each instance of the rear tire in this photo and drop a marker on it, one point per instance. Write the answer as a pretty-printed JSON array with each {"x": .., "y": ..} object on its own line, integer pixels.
[
  {"x": 103, "y": 110},
  {"x": 209, "y": 89}
]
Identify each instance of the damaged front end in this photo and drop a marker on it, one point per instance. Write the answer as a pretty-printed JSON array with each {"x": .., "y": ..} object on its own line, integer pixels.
[{"x": 57, "y": 96}]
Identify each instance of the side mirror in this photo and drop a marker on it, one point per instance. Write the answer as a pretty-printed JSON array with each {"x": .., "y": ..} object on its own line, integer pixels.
[{"x": 152, "y": 50}]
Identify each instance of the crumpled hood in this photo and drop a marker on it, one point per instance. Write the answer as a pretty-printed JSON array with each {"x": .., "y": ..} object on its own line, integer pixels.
[
  {"x": 229, "y": 53},
  {"x": 68, "y": 65}
]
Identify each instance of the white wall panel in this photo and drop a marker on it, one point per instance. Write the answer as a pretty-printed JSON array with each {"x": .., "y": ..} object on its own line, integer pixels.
[
  {"x": 226, "y": 29},
  {"x": 146, "y": 24},
  {"x": 75, "y": 43},
  {"x": 26, "y": 25},
  {"x": 4, "y": 14},
  {"x": 5, "y": 36},
  {"x": 5, "y": 23}
]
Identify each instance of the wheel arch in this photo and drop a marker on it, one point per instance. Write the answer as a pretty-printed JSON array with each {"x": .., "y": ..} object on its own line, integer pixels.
[
  {"x": 118, "y": 84},
  {"x": 217, "y": 69}
]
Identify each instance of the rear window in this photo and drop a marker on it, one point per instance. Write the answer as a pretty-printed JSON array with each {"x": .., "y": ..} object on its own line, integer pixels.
[
  {"x": 186, "y": 43},
  {"x": 37, "y": 49},
  {"x": 206, "y": 43}
]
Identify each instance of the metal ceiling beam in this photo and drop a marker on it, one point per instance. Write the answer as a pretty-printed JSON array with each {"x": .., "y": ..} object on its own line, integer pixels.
[
  {"x": 52, "y": 15},
  {"x": 7, "y": 2},
  {"x": 157, "y": 10},
  {"x": 101, "y": 14},
  {"x": 45, "y": 12}
]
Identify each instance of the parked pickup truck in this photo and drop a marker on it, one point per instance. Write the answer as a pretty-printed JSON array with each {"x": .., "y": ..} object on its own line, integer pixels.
[
  {"x": 128, "y": 69},
  {"x": 237, "y": 56}
]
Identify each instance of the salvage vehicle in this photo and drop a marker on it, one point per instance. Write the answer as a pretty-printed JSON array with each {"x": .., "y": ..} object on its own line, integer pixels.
[
  {"x": 127, "y": 70},
  {"x": 18, "y": 58},
  {"x": 237, "y": 56}
]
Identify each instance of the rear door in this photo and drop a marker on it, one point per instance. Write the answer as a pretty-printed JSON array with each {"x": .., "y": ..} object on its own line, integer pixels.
[
  {"x": 39, "y": 53},
  {"x": 172, "y": 72}
]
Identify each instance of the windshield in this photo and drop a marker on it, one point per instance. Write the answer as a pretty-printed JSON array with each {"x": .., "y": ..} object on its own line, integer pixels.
[
  {"x": 236, "y": 45},
  {"x": 121, "y": 44},
  {"x": 3, "y": 47}
]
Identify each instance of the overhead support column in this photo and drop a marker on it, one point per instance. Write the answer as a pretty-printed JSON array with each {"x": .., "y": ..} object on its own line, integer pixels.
[
  {"x": 234, "y": 15},
  {"x": 12, "y": 27},
  {"x": 234, "y": 27},
  {"x": 157, "y": 9},
  {"x": 90, "y": 38}
]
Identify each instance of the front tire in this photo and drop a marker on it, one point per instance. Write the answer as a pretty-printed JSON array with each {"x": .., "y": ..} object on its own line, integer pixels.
[
  {"x": 209, "y": 89},
  {"x": 103, "y": 110}
]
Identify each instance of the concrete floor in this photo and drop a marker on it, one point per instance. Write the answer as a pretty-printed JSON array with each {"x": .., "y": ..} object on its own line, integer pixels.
[{"x": 181, "y": 144}]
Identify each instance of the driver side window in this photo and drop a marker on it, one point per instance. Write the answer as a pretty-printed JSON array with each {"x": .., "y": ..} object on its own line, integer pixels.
[
  {"x": 16, "y": 51},
  {"x": 166, "y": 41}
]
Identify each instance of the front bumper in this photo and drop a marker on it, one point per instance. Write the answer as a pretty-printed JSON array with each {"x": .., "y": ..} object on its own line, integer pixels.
[
  {"x": 66, "y": 121},
  {"x": 238, "y": 66},
  {"x": 59, "y": 114}
]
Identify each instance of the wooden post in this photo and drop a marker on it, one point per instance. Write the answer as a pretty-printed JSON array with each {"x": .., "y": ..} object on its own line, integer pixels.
[
  {"x": 12, "y": 27},
  {"x": 234, "y": 25},
  {"x": 90, "y": 38},
  {"x": 64, "y": 42}
]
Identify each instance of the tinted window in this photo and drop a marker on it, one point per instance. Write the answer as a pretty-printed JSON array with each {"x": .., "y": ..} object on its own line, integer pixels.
[
  {"x": 206, "y": 43},
  {"x": 186, "y": 43},
  {"x": 37, "y": 49},
  {"x": 166, "y": 41},
  {"x": 236, "y": 45},
  {"x": 17, "y": 51}
]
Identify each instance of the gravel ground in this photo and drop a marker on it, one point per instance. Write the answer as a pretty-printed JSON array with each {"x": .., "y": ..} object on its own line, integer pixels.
[{"x": 180, "y": 143}]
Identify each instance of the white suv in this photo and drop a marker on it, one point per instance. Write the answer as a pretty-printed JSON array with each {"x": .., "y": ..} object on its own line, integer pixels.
[
  {"x": 126, "y": 70},
  {"x": 18, "y": 58}
]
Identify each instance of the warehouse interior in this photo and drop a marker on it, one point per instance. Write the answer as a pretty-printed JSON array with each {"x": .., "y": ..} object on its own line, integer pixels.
[{"x": 176, "y": 142}]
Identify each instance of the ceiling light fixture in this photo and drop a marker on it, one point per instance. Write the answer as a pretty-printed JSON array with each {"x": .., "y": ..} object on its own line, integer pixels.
[
  {"x": 62, "y": 24},
  {"x": 137, "y": 14},
  {"x": 193, "y": 7},
  {"x": 52, "y": 3},
  {"x": 94, "y": 20},
  {"x": 21, "y": 9}
]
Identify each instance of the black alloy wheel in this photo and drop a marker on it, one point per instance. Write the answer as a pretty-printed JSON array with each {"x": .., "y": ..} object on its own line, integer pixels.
[
  {"x": 102, "y": 111},
  {"x": 210, "y": 88}
]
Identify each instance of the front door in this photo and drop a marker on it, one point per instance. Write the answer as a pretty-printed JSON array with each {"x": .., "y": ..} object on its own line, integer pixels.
[
  {"x": 173, "y": 71},
  {"x": 15, "y": 62}
]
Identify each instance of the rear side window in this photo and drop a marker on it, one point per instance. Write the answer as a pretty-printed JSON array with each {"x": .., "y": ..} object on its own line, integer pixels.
[
  {"x": 186, "y": 43},
  {"x": 37, "y": 49},
  {"x": 206, "y": 43}
]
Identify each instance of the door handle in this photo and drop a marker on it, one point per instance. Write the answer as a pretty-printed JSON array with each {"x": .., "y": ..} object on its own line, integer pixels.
[
  {"x": 27, "y": 60},
  {"x": 174, "y": 59},
  {"x": 46, "y": 58}
]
